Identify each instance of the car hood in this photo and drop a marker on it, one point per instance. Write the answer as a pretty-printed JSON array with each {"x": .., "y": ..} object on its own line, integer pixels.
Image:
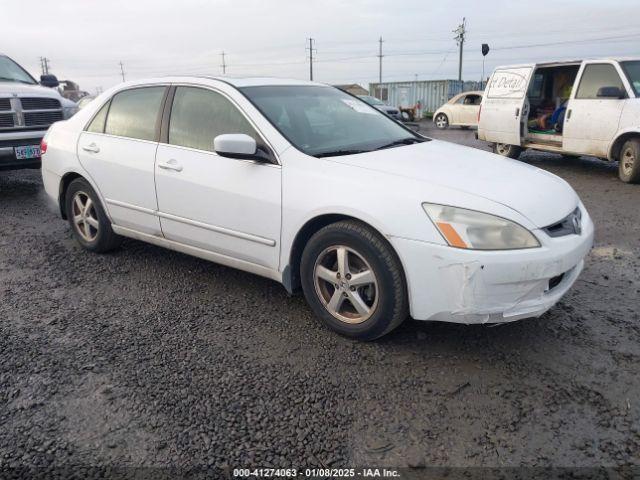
[
  {"x": 538, "y": 195},
  {"x": 8, "y": 89}
]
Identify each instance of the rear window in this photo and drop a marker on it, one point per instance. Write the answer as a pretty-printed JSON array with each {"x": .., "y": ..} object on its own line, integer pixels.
[
  {"x": 134, "y": 113},
  {"x": 509, "y": 83}
]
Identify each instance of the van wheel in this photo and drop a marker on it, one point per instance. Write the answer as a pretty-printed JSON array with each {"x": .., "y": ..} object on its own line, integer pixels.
[
  {"x": 353, "y": 281},
  {"x": 441, "y": 121},
  {"x": 89, "y": 222},
  {"x": 629, "y": 162},
  {"x": 505, "y": 150}
]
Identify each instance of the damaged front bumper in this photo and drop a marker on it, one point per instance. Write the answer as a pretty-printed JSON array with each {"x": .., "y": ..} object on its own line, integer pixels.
[{"x": 472, "y": 286}]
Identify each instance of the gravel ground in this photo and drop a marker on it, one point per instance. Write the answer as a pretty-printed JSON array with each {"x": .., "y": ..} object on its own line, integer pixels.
[{"x": 146, "y": 357}]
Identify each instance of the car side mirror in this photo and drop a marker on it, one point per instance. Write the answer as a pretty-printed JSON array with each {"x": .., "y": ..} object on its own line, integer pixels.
[
  {"x": 50, "y": 81},
  {"x": 611, "y": 92},
  {"x": 241, "y": 146}
]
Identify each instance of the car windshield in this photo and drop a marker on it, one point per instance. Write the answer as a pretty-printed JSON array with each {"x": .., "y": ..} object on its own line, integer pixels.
[
  {"x": 371, "y": 100},
  {"x": 10, "y": 71},
  {"x": 632, "y": 69},
  {"x": 325, "y": 121}
]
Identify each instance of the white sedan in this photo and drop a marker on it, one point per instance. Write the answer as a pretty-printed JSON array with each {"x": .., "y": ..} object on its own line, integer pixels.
[
  {"x": 461, "y": 111},
  {"x": 304, "y": 184}
]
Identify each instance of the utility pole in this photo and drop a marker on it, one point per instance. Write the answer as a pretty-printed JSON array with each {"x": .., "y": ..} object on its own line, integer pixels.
[
  {"x": 311, "y": 50},
  {"x": 44, "y": 64},
  {"x": 122, "y": 70},
  {"x": 380, "y": 60},
  {"x": 224, "y": 63},
  {"x": 459, "y": 38}
]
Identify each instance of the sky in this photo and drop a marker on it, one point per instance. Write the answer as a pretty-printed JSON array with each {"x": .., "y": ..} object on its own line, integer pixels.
[{"x": 85, "y": 40}]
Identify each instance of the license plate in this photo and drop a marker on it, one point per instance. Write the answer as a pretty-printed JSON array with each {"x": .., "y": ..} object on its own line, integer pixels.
[{"x": 27, "y": 151}]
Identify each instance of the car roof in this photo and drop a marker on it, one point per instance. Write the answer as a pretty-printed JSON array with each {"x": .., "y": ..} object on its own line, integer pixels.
[
  {"x": 551, "y": 63},
  {"x": 238, "y": 82}
]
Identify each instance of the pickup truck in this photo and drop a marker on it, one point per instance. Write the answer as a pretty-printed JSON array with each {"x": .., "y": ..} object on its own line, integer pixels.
[
  {"x": 27, "y": 109},
  {"x": 582, "y": 107}
]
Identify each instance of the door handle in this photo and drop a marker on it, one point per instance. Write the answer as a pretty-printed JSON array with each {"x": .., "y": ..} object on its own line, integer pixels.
[
  {"x": 568, "y": 114},
  {"x": 93, "y": 148},
  {"x": 171, "y": 165}
]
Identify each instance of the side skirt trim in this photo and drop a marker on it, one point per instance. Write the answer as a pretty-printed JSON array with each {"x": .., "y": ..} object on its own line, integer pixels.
[
  {"x": 200, "y": 253},
  {"x": 213, "y": 228}
]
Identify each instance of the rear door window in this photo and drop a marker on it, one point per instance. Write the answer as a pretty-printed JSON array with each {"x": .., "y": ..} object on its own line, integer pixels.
[
  {"x": 135, "y": 113},
  {"x": 596, "y": 76},
  {"x": 199, "y": 115}
]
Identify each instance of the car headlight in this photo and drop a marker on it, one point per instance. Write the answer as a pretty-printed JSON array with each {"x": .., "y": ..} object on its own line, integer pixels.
[
  {"x": 473, "y": 230},
  {"x": 68, "y": 112}
]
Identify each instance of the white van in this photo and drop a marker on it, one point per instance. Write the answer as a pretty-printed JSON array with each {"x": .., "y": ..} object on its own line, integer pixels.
[{"x": 583, "y": 107}]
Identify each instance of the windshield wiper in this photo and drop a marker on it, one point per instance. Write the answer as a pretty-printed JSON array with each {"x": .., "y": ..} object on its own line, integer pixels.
[
  {"x": 337, "y": 153},
  {"x": 404, "y": 141}
]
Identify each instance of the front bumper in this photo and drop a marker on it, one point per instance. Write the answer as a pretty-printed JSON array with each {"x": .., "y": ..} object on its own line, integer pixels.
[
  {"x": 471, "y": 286},
  {"x": 8, "y": 160}
]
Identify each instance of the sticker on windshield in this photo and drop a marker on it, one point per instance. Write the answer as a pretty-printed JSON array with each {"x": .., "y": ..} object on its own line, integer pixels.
[{"x": 358, "y": 106}]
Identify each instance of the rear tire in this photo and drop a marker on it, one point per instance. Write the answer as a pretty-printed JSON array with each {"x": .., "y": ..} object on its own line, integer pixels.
[
  {"x": 353, "y": 281},
  {"x": 629, "y": 162},
  {"x": 89, "y": 222},
  {"x": 441, "y": 121},
  {"x": 505, "y": 150}
]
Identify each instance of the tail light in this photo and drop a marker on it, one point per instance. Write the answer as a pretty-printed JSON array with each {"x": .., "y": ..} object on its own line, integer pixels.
[
  {"x": 479, "y": 112},
  {"x": 43, "y": 147}
]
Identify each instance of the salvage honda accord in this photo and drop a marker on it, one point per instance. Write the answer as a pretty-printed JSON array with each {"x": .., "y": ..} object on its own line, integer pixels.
[{"x": 310, "y": 186}]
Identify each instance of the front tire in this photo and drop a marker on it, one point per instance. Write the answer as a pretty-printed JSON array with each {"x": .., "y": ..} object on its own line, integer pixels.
[
  {"x": 353, "y": 281},
  {"x": 441, "y": 121},
  {"x": 506, "y": 150},
  {"x": 89, "y": 222},
  {"x": 629, "y": 162}
]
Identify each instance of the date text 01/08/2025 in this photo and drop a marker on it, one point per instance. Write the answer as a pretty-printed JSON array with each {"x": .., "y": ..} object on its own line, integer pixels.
[{"x": 315, "y": 472}]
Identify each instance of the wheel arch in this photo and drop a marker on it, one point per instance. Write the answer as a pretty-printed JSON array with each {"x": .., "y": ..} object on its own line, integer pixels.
[
  {"x": 291, "y": 273},
  {"x": 442, "y": 111},
  {"x": 616, "y": 145},
  {"x": 65, "y": 181}
]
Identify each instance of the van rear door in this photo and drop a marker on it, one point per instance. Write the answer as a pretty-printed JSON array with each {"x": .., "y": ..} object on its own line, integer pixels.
[{"x": 503, "y": 105}]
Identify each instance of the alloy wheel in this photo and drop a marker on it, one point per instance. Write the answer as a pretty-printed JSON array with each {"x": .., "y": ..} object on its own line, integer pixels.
[
  {"x": 441, "y": 121},
  {"x": 346, "y": 284},
  {"x": 628, "y": 159},
  {"x": 85, "y": 217}
]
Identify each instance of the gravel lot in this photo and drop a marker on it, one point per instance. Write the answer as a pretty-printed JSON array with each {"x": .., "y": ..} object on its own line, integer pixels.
[{"x": 146, "y": 357}]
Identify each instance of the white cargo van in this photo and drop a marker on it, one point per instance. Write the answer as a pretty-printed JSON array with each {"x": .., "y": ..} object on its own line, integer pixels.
[{"x": 582, "y": 107}]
